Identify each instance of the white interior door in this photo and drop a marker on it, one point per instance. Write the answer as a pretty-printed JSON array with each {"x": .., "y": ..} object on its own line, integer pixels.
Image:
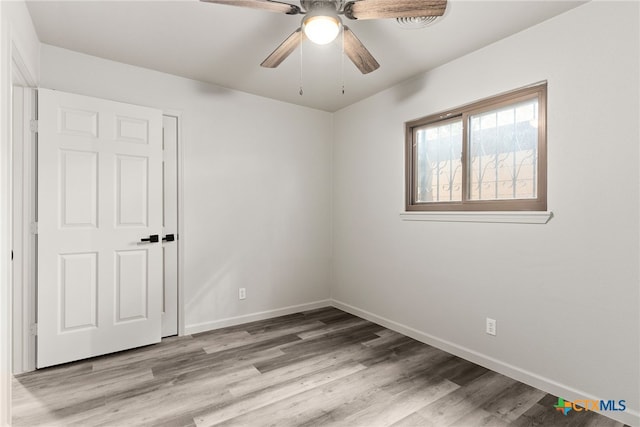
[
  {"x": 170, "y": 225},
  {"x": 99, "y": 194}
]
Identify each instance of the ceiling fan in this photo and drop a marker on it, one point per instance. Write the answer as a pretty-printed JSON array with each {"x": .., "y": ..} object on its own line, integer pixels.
[{"x": 322, "y": 24}]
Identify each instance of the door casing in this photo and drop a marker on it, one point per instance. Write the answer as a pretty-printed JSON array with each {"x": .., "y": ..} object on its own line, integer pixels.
[{"x": 24, "y": 241}]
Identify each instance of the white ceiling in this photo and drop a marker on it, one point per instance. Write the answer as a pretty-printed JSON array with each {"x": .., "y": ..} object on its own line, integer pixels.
[{"x": 224, "y": 45}]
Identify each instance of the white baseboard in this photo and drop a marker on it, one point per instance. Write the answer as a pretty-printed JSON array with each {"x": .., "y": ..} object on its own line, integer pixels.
[
  {"x": 629, "y": 417},
  {"x": 252, "y": 317}
]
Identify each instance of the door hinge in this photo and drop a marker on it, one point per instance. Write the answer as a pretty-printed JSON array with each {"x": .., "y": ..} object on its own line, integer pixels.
[
  {"x": 34, "y": 228},
  {"x": 33, "y": 124},
  {"x": 33, "y": 329}
]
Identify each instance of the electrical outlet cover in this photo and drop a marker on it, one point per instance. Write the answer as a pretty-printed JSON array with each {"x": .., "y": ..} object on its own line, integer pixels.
[{"x": 491, "y": 326}]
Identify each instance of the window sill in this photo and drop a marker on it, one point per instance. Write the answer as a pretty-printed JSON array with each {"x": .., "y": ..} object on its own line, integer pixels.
[{"x": 511, "y": 217}]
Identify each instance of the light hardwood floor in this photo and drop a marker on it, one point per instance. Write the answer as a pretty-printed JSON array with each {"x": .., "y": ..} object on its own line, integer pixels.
[{"x": 318, "y": 368}]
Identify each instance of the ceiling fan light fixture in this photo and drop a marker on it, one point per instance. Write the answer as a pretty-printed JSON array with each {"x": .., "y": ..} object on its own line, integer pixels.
[{"x": 321, "y": 29}]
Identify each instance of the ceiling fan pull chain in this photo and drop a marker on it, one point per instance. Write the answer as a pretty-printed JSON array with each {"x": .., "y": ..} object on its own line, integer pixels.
[
  {"x": 342, "y": 62},
  {"x": 301, "y": 91}
]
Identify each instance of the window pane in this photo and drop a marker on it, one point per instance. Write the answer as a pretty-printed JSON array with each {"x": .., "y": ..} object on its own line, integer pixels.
[
  {"x": 438, "y": 164},
  {"x": 503, "y": 153}
]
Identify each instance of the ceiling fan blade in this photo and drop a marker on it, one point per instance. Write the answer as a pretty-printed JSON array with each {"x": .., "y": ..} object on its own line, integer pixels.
[
  {"x": 284, "y": 50},
  {"x": 358, "y": 54},
  {"x": 382, "y": 9},
  {"x": 272, "y": 6}
]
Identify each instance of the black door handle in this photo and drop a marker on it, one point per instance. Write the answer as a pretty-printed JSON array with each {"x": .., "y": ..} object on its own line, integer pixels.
[
  {"x": 169, "y": 238},
  {"x": 154, "y": 238}
]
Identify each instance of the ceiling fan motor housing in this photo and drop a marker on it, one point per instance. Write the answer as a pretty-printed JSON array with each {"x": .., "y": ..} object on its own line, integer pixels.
[{"x": 314, "y": 5}]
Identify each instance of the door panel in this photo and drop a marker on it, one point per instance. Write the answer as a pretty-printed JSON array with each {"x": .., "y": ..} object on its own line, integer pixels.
[
  {"x": 132, "y": 285},
  {"x": 78, "y": 122},
  {"x": 78, "y": 289},
  {"x": 131, "y": 129},
  {"x": 133, "y": 188},
  {"x": 99, "y": 193},
  {"x": 79, "y": 188}
]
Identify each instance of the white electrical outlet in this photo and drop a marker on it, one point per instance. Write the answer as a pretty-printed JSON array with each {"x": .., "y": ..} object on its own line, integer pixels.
[
  {"x": 491, "y": 326},
  {"x": 242, "y": 293}
]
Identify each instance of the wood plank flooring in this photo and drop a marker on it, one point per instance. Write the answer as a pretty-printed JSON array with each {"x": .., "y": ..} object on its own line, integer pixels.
[{"x": 318, "y": 368}]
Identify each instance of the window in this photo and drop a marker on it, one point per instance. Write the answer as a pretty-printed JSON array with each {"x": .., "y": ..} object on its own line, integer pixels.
[{"x": 487, "y": 156}]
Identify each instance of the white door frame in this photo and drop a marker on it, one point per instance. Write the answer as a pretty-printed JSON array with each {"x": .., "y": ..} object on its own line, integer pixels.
[
  {"x": 24, "y": 299},
  {"x": 13, "y": 71},
  {"x": 24, "y": 244}
]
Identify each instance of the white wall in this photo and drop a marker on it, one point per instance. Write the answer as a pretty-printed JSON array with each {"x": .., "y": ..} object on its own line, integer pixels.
[
  {"x": 18, "y": 42},
  {"x": 257, "y": 188},
  {"x": 565, "y": 294}
]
